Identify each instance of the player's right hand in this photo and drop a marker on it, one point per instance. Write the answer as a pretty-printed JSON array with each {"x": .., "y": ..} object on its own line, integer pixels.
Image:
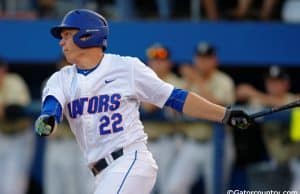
[
  {"x": 45, "y": 124},
  {"x": 237, "y": 118}
]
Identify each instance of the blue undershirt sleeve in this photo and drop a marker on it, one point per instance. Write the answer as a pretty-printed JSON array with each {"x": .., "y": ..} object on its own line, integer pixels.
[
  {"x": 51, "y": 106},
  {"x": 177, "y": 99}
]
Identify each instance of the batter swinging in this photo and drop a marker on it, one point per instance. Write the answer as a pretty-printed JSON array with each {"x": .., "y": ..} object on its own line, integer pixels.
[{"x": 100, "y": 96}]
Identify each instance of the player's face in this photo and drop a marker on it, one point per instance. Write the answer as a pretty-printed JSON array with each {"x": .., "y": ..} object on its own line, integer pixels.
[
  {"x": 160, "y": 66},
  {"x": 205, "y": 64},
  {"x": 277, "y": 87},
  {"x": 69, "y": 48}
]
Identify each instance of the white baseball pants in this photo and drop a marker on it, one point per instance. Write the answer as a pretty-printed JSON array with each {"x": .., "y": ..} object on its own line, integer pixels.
[{"x": 133, "y": 173}]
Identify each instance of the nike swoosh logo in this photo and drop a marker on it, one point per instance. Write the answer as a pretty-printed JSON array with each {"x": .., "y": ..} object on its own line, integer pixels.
[{"x": 107, "y": 81}]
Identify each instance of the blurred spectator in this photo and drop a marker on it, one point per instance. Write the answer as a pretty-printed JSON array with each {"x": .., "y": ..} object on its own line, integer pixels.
[
  {"x": 275, "y": 133},
  {"x": 204, "y": 76},
  {"x": 46, "y": 8},
  {"x": 163, "y": 9},
  {"x": 17, "y": 9},
  {"x": 167, "y": 8},
  {"x": 125, "y": 9},
  {"x": 58, "y": 8},
  {"x": 63, "y": 6},
  {"x": 196, "y": 155},
  {"x": 134, "y": 9},
  {"x": 196, "y": 9},
  {"x": 157, "y": 9},
  {"x": 16, "y": 137},
  {"x": 249, "y": 9},
  {"x": 290, "y": 11},
  {"x": 160, "y": 124},
  {"x": 210, "y": 8},
  {"x": 31, "y": 9},
  {"x": 277, "y": 84},
  {"x": 65, "y": 170}
]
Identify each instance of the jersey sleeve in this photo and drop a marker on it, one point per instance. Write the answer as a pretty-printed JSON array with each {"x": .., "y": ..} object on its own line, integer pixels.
[
  {"x": 54, "y": 88},
  {"x": 147, "y": 85}
]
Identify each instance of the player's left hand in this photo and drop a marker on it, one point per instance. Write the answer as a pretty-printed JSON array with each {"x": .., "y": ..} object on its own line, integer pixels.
[
  {"x": 44, "y": 125},
  {"x": 237, "y": 118}
]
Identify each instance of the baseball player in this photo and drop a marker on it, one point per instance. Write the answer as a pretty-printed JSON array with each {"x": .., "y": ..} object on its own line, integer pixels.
[
  {"x": 196, "y": 156},
  {"x": 100, "y": 96}
]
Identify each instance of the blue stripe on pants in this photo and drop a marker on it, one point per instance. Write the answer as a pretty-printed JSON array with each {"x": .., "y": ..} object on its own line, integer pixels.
[{"x": 123, "y": 181}]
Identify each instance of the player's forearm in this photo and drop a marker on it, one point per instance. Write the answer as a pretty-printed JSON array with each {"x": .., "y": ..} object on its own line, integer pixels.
[{"x": 198, "y": 107}]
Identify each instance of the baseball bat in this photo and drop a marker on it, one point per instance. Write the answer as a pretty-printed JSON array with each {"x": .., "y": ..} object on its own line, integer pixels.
[{"x": 277, "y": 109}]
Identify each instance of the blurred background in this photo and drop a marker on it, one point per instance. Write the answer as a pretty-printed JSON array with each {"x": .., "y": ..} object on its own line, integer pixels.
[{"x": 238, "y": 53}]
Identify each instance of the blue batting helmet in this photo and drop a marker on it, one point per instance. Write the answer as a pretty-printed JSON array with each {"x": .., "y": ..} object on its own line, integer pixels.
[{"x": 93, "y": 28}]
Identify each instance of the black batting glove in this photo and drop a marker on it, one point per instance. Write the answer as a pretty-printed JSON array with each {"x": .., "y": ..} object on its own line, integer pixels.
[{"x": 237, "y": 119}]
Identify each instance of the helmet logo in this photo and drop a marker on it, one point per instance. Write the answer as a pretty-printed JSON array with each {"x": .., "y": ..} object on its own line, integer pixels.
[
  {"x": 92, "y": 30},
  {"x": 85, "y": 37}
]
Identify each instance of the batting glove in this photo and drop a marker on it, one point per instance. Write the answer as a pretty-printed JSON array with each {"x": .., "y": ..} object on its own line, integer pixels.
[
  {"x": 236, "y": 118},
  {"x": 45, "y": 124}
]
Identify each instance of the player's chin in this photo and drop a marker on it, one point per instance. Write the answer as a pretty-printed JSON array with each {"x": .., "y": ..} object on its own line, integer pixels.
[{"x": 69, "y": 58}]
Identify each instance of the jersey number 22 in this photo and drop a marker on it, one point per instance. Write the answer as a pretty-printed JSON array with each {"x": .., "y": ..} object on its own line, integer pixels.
[{"x": 111, "y": 124}]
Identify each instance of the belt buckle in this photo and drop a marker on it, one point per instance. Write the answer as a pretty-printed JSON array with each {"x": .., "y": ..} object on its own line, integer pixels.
[{"x": 109, "y": 159}]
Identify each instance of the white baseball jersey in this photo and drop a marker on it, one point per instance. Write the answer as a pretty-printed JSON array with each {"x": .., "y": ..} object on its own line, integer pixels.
[{"x": 103, "y": 106}]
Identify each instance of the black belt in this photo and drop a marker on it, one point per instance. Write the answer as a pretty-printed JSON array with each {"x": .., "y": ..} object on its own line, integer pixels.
[{"x": 102, "y": 163}]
